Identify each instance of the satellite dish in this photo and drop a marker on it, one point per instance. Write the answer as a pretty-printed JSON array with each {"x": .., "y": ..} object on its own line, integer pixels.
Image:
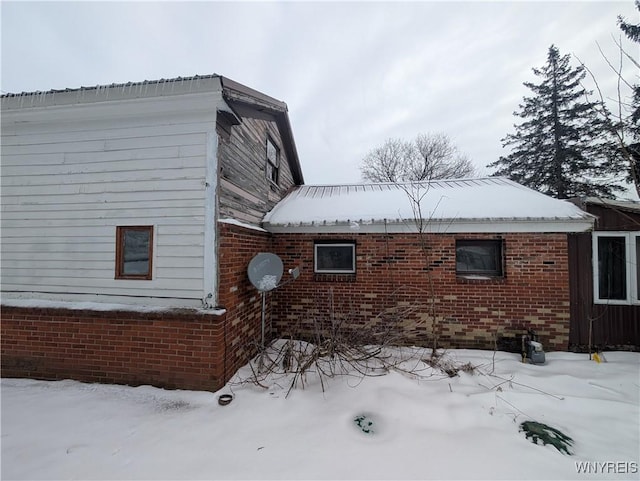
[{"x": 265, "y": 271}]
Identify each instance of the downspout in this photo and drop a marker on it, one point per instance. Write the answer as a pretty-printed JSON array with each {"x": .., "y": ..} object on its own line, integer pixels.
[{"x": 210, "y": 294}]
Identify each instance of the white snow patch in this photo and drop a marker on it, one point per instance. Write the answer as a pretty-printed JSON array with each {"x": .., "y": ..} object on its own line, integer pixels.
[
  {"x": 267, "y": 283},
  {"x": 241, "y": 224},
  {"x": 426, "y": 427},
  {"x": 96, "y": 306}
]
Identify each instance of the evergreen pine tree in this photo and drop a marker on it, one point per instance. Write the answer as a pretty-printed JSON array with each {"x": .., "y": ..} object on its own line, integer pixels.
[
  {"x": 632, "y": 31},
  {"x": 559, "y": 149}
]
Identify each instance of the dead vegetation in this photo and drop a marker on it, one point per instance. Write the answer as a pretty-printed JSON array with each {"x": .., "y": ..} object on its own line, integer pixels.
[{"x": 297, "y": 363}]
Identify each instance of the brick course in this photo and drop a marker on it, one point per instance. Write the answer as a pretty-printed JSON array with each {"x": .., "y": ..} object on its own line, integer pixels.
[
  {"x": 172, "y": 349},
  {"x": 243, "y": 302}
]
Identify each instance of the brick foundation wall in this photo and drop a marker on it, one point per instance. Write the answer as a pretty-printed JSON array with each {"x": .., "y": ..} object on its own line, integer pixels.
[
  {"x": 400, "y": 287},
  {"x": 171, "y": 349}
]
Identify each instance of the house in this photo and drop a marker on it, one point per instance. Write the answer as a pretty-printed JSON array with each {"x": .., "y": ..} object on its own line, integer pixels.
[
  {"x": 605, "y": 278},
  {"x": 123, "y": 246},
  {"x": 130, "y": 213},
  {"x": 464, "y": 261}
]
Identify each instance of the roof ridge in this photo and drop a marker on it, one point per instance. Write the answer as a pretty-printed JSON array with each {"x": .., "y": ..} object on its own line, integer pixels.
[{"x": 451, "y": 180}]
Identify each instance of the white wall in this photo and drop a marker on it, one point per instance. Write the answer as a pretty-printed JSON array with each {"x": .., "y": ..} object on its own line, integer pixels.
[{"x": 73, "y": 170}]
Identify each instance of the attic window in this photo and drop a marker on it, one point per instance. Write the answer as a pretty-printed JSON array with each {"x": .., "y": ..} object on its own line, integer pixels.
[
  {"x": 134, "y": 252},
  {"x": 273, "y": 161},
  {"x": 479, "y": 257}
]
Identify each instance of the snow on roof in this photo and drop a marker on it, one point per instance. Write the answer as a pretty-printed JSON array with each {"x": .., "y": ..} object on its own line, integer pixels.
[
  {"x": 491, "y": 204},
  {"x": 239, "y": 223}
]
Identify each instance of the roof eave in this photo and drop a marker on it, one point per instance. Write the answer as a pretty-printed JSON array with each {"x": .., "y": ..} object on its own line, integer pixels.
[
  {"x": 437, "y": 226},
  {"x": 235, "y": 93}
]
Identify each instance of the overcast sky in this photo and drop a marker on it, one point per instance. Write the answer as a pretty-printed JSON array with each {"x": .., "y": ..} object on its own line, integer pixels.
[{"x": 353, "y": 74}]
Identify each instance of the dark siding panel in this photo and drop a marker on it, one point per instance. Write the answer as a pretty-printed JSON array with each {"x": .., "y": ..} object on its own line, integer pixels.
[
  {"x": 580, "y": 280},
  {"x": 613, "y": 325},
  {"x": 616, "y": 325},
  {"x": 614, "y": 218}
]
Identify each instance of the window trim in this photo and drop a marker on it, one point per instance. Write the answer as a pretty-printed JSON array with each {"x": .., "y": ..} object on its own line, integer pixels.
[
  {"x": 120, "y": 236},
  {"x": 630, "y": 274},
  {"x": 275, "y": 167},
  {"x": 334, "y": 244},
  {"x": 499, "y": 274}
]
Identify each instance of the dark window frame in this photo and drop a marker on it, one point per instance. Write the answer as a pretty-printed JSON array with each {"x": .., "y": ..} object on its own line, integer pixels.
[
  {"x": 497, "y": 271},
  {"x": 336, "y": 243},
  {"x": 120, "y": 252},
  {"x": 272, "y": 167}
]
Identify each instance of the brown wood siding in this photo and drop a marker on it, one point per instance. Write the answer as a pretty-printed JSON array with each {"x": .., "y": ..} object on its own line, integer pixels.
[
  {"x": 244, "y": 191},
  {"x": 613, "y": 326},
  {"x": 612, "y": 218}
]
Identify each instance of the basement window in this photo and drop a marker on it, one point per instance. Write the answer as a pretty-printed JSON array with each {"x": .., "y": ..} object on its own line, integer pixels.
[
  {"x": 273, "y": 161},
  {"x": 134, "y": 252},
  {"x": 616, "y": 278},
  {"x": 479, "y": 258},
  {"x": 334, "y": 258}
]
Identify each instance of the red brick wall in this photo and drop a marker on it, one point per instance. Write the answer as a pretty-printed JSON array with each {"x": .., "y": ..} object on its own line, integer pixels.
[
  {"x": 243, "y": 302},
  {"x": 167, "y": 349},
  {"x": 402, "y": 287}
]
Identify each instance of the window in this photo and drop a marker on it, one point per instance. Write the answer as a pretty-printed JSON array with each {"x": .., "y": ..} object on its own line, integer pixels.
[
  {"x": 273, "y": 161},
  {"x": 335, "y": 258},
  {"x": 616, "y": 279},
  {"x": 479, "y": 257},
  {"x": 134, "y": 252}
]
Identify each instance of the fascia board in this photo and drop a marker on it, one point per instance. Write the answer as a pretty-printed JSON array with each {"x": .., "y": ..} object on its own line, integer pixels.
[
  {"x": 201, "y": 103},
  {"x": 112, "y": 92},
  {"x": 438, "y": 227}
]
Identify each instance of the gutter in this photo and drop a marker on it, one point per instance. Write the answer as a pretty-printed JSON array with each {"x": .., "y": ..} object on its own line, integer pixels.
[{"x": 437, "y": 226}]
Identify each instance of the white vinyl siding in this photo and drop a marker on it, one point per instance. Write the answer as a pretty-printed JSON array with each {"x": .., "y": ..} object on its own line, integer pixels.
[{"x": 67, "y": 185}]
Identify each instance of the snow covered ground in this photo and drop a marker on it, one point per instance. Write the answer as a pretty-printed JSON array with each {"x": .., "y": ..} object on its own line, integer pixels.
[{"x": 424, "y": 426}]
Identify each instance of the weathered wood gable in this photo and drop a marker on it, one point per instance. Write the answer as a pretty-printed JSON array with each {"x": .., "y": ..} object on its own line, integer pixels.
[{"x": 245, "y": 192}]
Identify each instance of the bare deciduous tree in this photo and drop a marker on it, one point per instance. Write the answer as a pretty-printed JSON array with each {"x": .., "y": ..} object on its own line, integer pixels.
[
  {"x": 427, "y": 157},
  {"x": 623, "y": 120}
]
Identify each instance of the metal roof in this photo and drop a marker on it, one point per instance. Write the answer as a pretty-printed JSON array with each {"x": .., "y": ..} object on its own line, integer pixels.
[
  {"x": 113, "y": 85},
  {"x": 489, "y": 204},
  {"x": 631, "y": 205}
]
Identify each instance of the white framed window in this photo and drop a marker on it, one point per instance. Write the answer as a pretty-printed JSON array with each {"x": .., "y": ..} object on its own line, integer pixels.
[
  {"x": 334, "y": 258},
  {"x": 616, "y": 279}
]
